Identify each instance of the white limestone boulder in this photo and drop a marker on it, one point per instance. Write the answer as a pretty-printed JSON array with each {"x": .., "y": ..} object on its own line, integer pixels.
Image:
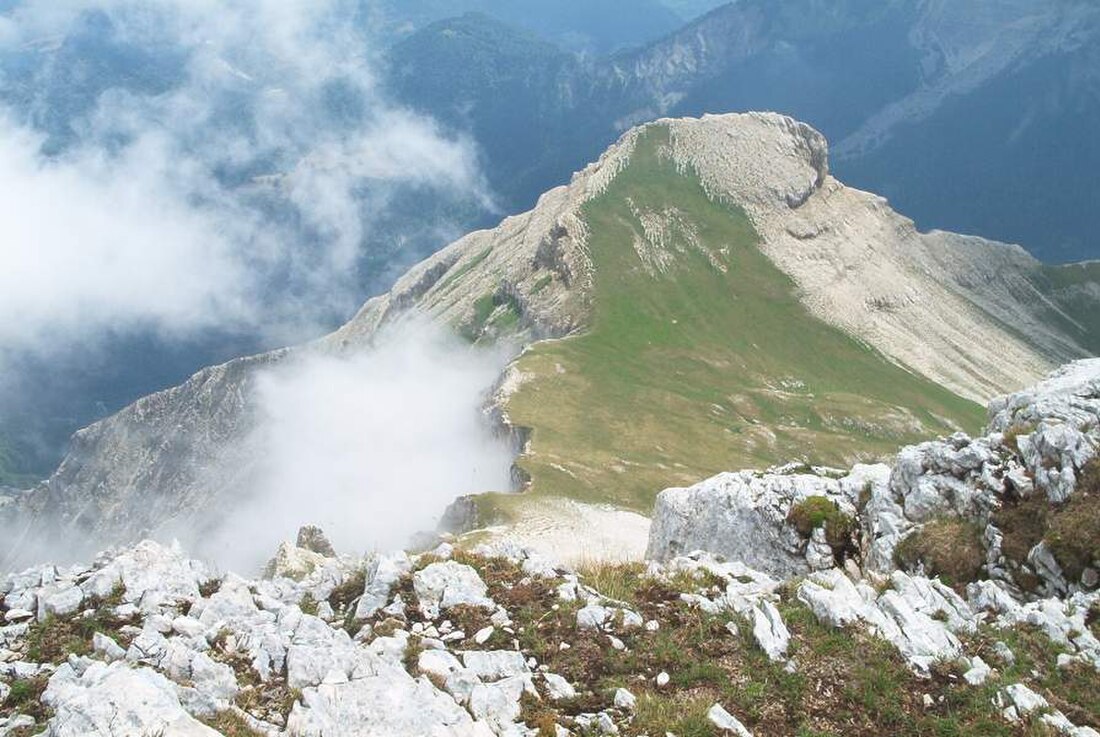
[
  {"x": 742, "y": 517},
  {"x": 117, "y": 700},
  {"x": 440, "y": 586}
]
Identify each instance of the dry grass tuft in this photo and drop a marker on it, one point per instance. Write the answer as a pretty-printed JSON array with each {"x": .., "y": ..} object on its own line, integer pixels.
[{"x": 950, "y": 548}]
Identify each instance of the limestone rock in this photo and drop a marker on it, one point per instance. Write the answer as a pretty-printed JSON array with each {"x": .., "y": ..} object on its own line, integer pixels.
[
  {"x": 441, "y": 586},
  {"x": 624, "y": 699},
  {"x": 383, "y": 572},
  {"x": 978, "y": 672},
  {"x": 59, "y": 601},
  {"x": 107, "y": 647},
  {"x": 293, "y": 562},
  {"x": 495, "y": 665},
  {"x": 1024, "y": 699},
  {"x": 150, "y": 575},
  {"x": 558, "y": 688},
  {"x": 313, "y": 539},
  {"x": 389, "y": 703},
  {"x": 726, "y": 722},
  {"x": 115, "y": 701},
  {"x": 743, "y": 517},
  {"x": 918, "y": 616},
  {"x": 769, "y": 631}
]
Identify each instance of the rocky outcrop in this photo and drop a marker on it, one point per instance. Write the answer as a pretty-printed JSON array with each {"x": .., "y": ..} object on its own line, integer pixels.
[
  {"x": 935, "y": 303},
  {"x": 1039, "y": 442},
  {"x": 745, "y": 516},
  {"x": 175, "y": 649}
]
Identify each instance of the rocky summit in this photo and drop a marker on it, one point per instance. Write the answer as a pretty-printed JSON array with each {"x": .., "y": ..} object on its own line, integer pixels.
[{"x": 953, "y": 592}]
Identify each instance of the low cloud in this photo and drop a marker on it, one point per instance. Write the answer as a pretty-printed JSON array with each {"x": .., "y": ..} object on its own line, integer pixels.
[
  {"x": 225, "y": 173},
  {"x": 371, "y": 448},
  {"x": 94, "y": 244}
]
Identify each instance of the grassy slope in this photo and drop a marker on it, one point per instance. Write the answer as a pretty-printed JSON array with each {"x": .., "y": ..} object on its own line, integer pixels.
[
  {"x": 699, "y": 370},
  {"x": 1070, "y": 286}
]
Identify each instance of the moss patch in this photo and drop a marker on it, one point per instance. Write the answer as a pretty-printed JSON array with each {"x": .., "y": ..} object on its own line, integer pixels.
[
  {"x": 231, "y": 724},
  {"x": 26, "y": 698},
  {"x": 1074, "y": 533},
  {"x": 1070, "y": 530},
  {"x": 818, "y": 511}
]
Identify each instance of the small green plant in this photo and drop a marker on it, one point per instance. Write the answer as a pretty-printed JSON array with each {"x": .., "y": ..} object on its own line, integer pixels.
[
  {"x": 1088, "y": 478},
  {"x": 542, "y": 282},
  {"x": 411, "y": 657},
  {"x": 673, "y": 714},
  {"x": 619, "y": 581},
  {"x": 865, "y": 495},
  {"x": 819, "y": 511},
  {"x": 25, "y": 697},
  {"x": 1012, "y": 436},
  {"x": 1023, "y": 523},
  {"x": 308, "y": 604},
  {"x": 231, "y": 724},
  {"x": 350, "y": 589},
  {"x": 53, "y": 639},
  {"x": 210, "y": 587},
  {"x": 538, "y": 715}
]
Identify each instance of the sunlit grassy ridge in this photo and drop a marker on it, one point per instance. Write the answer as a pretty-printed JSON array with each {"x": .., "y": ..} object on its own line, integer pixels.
[{"x": 700, "y": 358}]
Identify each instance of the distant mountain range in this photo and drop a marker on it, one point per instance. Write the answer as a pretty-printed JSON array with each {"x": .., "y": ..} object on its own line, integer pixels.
[
  {"x": 973, "y": 117},
  {"x": 587, "y": 26}
]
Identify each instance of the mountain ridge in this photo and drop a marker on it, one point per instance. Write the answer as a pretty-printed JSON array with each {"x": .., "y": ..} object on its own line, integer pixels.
[
  {"x": 531, "y": 278},
  {"x": 901, "y": 69}
]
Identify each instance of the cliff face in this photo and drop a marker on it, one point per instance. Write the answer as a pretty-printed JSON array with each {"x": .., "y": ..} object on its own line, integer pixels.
[{"x": 970, "y": 315}]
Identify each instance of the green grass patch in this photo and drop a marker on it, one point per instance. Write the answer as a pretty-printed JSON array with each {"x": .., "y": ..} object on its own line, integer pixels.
[
  {"x": 699, "y": 358},
  {"x": 617, "y": 581},
  {"x": 678, "y": 715},
  {"x": 1071, "y": 530},
  {"x": 1073, "y": 533},
  {"x": 230, "y": 724},
  {"x": 53, "y": 639},
  {"x": 541, "y": 283},
  {"x": 494, "y": 315}
]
